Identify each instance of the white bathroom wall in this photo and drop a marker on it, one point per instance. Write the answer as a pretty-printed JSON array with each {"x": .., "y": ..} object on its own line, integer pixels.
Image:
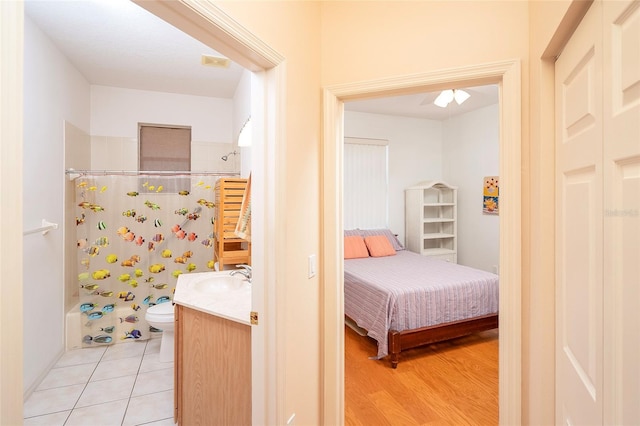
[
  {"x": 116, "y": 112},
  {"x": 415, "y": 153},
  {"x": 242, "y": 112},
  {"x": 470, "y": 152},
  {"x": 54, "y": 92}
]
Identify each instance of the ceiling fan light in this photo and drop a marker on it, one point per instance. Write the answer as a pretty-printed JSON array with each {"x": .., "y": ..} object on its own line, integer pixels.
[
  {"x": 461, "y": 96},
  {"x": 444, "y": 98}
]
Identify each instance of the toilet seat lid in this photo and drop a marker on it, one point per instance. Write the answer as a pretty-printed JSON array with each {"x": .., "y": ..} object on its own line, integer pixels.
[{"x": 165, "y": 308}]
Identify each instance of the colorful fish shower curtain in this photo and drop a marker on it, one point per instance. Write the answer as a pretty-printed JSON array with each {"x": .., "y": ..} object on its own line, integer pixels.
[{"x": 136, "y": 235}]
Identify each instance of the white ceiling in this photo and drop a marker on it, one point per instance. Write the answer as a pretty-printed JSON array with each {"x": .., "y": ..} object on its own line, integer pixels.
[
  {"x": 117, "y": 43},
  {"x": 421, "y": 105}
]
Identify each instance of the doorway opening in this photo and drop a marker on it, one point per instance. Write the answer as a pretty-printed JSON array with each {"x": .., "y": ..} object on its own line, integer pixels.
[
  {"x": 251, "y": 53},
  {"x": 456, "y": 146},
  {"x": 266, "y": 65},
  {"x": 507, "y": 75}
]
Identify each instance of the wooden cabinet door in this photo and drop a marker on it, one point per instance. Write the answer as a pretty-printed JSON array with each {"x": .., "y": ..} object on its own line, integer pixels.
[{"x": 213, "y": 360}]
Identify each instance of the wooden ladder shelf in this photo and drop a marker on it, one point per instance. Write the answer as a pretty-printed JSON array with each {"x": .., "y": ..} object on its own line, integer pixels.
[{"x": 228, "y": 248}]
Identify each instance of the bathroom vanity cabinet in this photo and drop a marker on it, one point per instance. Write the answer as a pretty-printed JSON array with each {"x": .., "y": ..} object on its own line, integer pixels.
[{"x": 212, "y": 369}]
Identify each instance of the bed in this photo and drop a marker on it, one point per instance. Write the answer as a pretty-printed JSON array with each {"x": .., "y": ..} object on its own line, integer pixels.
[{"x": 405, "y": 300}]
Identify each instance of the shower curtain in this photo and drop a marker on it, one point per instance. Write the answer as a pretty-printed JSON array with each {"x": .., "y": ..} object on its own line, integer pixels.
[{"x": 135, "y": 236}]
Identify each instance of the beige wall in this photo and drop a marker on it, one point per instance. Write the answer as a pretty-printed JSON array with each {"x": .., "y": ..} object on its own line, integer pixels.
[
  {"x": 550, "y": 25},
  {"x": 371, "y": 40},
  {"x": 11, "y": 134},
  {"x": 374, "y": 40},
  {"x": 293, "y": 29}
]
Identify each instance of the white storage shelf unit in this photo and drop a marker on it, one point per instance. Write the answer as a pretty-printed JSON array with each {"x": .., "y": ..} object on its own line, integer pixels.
[{"x": 430, "y": 220}]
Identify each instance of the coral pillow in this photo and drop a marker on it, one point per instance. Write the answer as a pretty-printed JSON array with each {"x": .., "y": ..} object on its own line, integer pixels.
[
  {"x": 379, "y": 245},
  {"x": 369, "y": 232},
  {"x": 354, "y": 247}
]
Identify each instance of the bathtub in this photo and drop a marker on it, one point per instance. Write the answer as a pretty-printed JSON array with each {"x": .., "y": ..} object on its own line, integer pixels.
[{"x": 73, "y": 327}]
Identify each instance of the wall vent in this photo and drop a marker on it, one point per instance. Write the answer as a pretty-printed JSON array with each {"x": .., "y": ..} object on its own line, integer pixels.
[{"x": 215, "y": 61}]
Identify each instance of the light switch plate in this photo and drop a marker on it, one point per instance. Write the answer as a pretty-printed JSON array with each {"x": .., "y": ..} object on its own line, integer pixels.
[{"x": 312, "y": 266}]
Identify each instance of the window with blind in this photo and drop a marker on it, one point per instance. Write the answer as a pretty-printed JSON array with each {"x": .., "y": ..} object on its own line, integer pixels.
[
  {"x": 164, "y": 148},
  {"x": 366, "y": 183}
]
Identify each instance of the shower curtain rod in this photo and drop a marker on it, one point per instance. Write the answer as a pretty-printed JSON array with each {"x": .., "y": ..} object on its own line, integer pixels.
[{"x": 72, "y": 172}]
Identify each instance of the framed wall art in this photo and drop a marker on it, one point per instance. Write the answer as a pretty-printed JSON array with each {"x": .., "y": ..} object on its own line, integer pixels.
[{"x": 491, "y": 195}]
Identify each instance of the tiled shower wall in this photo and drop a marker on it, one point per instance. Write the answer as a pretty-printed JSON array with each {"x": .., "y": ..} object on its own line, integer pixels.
[{"x": 121, "y": 153}]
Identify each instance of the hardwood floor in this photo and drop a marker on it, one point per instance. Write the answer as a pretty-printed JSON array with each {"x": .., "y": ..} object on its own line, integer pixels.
[{"x": 448, "y": 383}]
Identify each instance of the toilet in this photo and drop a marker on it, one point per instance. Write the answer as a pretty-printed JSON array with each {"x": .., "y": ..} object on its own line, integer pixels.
[{"x": 161, "y": 316}]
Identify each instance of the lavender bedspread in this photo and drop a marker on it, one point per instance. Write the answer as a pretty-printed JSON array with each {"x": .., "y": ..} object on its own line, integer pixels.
[{"x": 408, "y": 291}]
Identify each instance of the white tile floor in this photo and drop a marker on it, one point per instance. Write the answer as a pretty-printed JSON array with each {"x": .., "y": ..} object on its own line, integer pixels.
[{"x": 122, "y": 384}]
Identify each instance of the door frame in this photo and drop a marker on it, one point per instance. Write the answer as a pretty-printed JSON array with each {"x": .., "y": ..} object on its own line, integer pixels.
[
  {"x": 11, "y": 244},
  {"x": 213, "y": 27},
  {"x": 507, "y": 74}
]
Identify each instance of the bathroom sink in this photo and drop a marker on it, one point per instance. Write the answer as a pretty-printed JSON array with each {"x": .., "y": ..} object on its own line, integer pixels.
[
  {"x": 220, "y": 283},
  {"x": 216, "y": 293}
]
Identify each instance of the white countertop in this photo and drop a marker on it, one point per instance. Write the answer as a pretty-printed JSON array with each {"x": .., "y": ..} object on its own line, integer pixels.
[{"x": 215, "y": 293}]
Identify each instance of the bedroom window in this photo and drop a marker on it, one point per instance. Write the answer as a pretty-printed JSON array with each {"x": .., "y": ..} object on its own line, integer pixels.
[{"x": 366, "y": 181}]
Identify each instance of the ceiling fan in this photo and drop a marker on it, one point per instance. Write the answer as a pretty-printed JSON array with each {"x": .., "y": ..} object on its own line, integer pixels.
[{"x": 449, "y": 95}]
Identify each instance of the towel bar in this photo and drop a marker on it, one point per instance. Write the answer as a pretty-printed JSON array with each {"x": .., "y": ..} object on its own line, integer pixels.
[{"x": 46, "y": 227}]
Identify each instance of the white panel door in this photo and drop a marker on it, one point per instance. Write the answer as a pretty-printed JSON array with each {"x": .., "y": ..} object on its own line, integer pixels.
[
  {"x": 579, "y": 285},
  {"x": 621, "y": 108}
]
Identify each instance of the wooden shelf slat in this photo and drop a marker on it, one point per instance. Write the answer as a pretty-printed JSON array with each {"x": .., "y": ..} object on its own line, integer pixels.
[{"x": 228, "y": 248}]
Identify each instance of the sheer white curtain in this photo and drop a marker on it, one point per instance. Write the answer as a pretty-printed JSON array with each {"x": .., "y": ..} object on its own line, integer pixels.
[{"x": 366, "y": 183}]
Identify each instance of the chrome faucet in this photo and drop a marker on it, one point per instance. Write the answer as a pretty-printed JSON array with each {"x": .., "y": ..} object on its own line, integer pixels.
[{"x": 246, "y": 271}]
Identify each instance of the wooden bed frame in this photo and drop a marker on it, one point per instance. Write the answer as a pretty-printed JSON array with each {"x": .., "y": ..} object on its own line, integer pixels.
[{"x": 402, "y": 340}]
